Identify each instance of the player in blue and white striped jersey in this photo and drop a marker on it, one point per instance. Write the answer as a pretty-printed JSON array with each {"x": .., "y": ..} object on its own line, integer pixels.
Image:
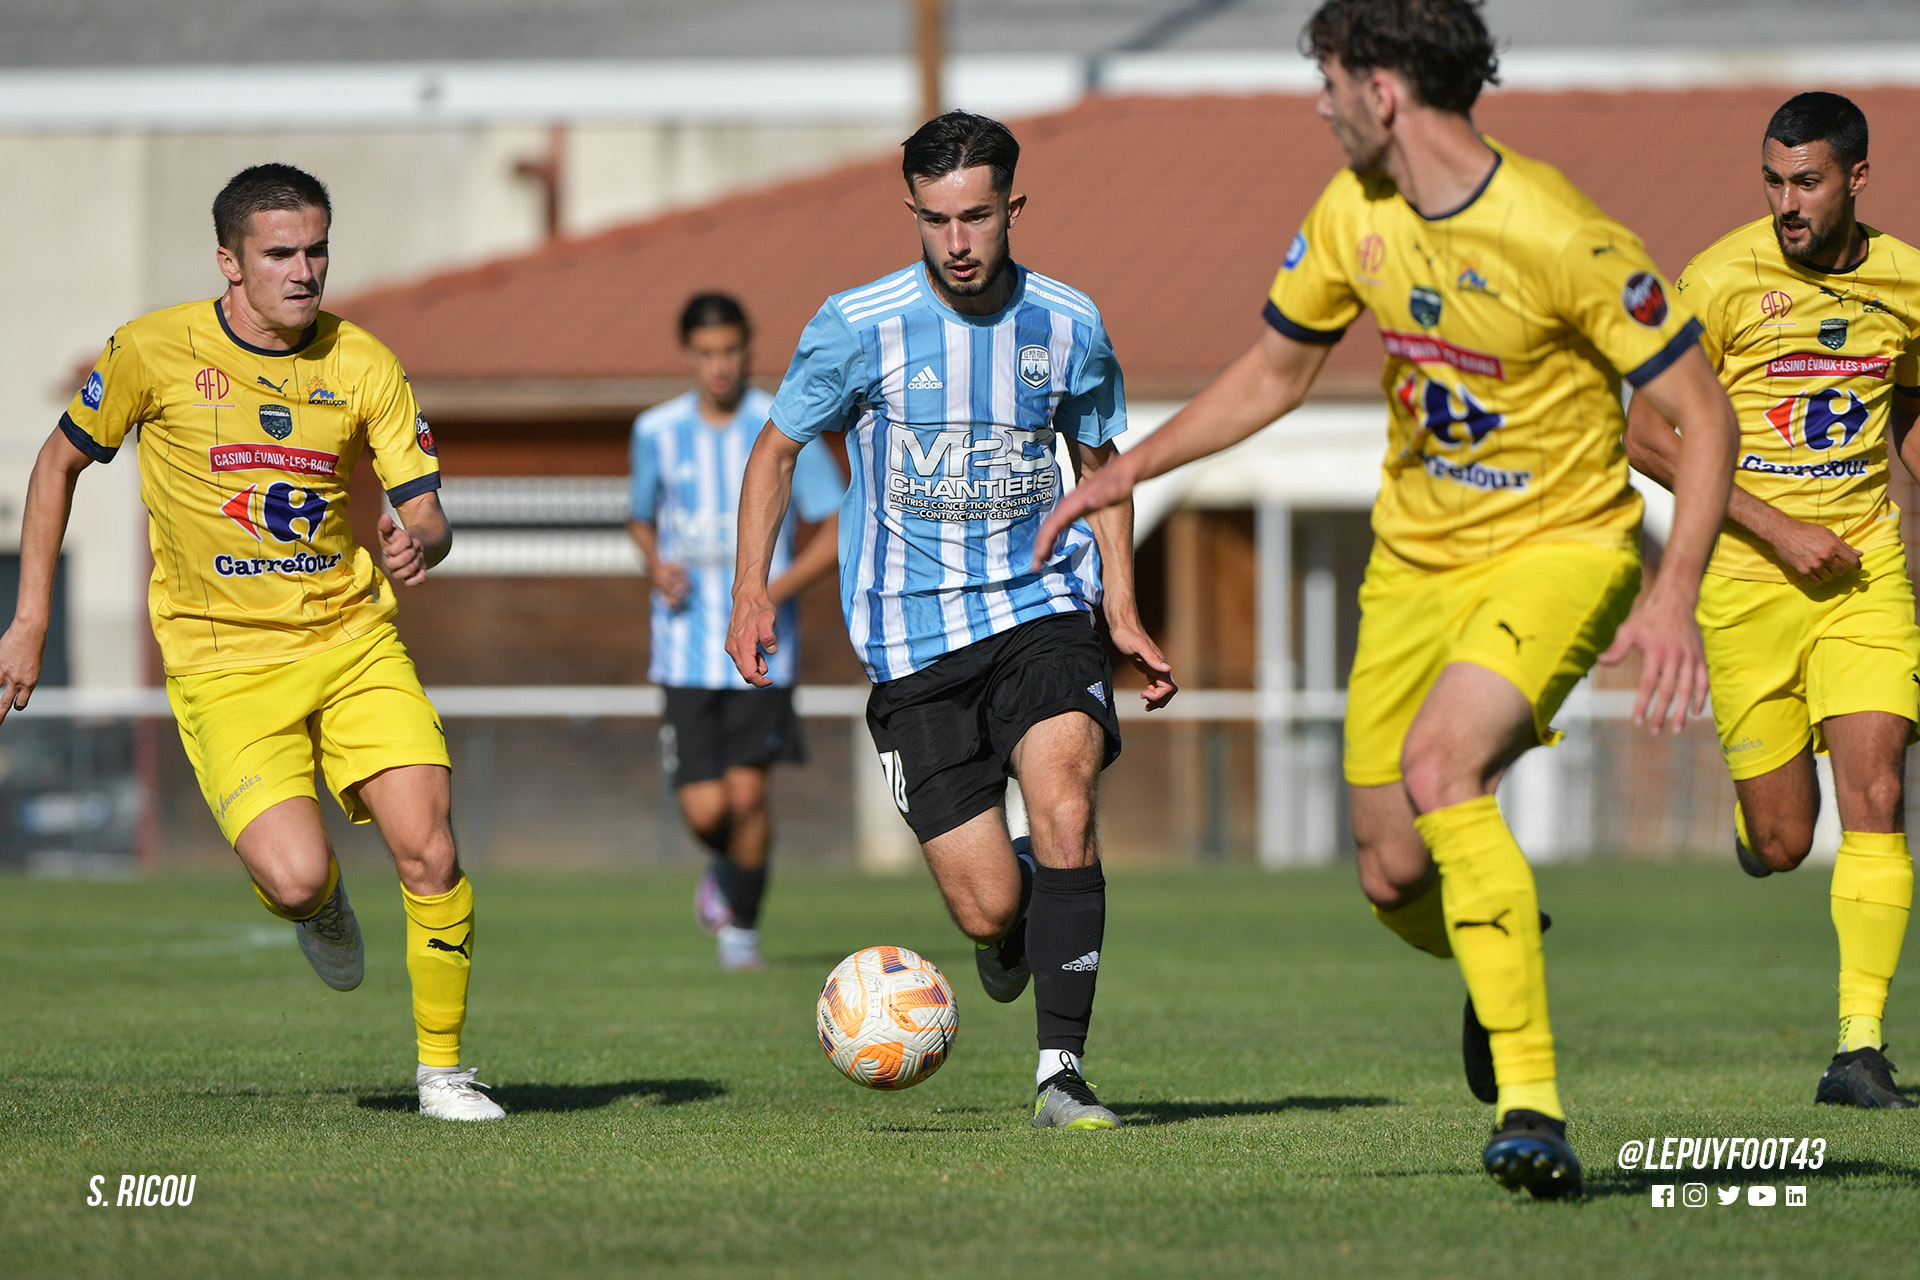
[
  {"x": 952, "y": 380},
  {"x": 721, "y": 733}
]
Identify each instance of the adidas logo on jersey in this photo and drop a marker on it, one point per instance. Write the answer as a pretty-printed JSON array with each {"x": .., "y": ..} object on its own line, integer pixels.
[
  {"x": 926, "y": 380},
  {"x": 1088, "y": 963}
]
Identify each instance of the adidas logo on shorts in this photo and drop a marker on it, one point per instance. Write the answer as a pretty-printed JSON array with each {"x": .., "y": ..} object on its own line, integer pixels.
[
  {"x": 1088, "y": 963},
  {"x": 926, "y": 380},
  {"x": 1099, "y": 692}
]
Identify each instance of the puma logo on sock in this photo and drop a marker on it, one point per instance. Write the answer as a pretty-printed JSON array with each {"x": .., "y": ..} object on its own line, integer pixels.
[
  {"x": 434, "y": 944},
  {"x": 1486, "y": 924}
]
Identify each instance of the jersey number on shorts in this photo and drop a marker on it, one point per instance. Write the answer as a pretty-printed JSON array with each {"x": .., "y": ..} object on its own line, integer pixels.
[
  {"x": 1443, "y": 410},
  {"x": 896, "y": 778},
  {"x": 1817, "y": 413}
]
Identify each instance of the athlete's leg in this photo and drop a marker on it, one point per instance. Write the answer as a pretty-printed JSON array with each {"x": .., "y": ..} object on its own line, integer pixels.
[
  {"x": 741, "y": 869},
  {"x": 1872, "y": 892},
  {"x": 1777, "y": 810},
  {"x": 704, "y": 806},
  {"x": 287, "y": 853},
  {"x": 974, "y": 866},
  {"x": 1471, "y": 725},
  {"x": 412, "y": 806},
  {"x": 1396, "y": 870}
]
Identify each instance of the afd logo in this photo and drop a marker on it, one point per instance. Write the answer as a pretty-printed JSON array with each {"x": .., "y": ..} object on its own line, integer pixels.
[
  {"x": 276, "y": 511},
  {"x": 1814, "y": 418},
  {"x": 1449, "y": 414}
]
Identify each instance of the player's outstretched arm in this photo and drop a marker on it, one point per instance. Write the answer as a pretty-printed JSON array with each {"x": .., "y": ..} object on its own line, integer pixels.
[
  {"x": 43, "y": 527},
  {"x": 820, "y": 557},
  {"x": 764, "y": 492},
  {"x": 1113, "y": 534},
  {"x": 1267, "y": 382},
  {"x": 1673, "y": 677},
  {"x": 417, "y": 541},
  {"x": 1813, "y": 551}
]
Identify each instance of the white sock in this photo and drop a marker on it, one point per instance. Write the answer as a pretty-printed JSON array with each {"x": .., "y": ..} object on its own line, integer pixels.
[
  {"x": 1053, "y": 1062},
  {"x": 425, "y": 1072}
]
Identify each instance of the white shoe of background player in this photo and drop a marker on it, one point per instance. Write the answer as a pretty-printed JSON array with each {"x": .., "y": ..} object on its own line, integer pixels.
[{"x": 450, "y": 1093}]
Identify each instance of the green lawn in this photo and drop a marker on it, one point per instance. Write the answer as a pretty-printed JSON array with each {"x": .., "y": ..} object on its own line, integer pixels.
[{"x": 1289, "y": 1072}]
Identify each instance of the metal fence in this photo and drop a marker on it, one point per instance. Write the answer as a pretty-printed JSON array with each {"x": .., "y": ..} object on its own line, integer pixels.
[{"x": 96, "y": 782}]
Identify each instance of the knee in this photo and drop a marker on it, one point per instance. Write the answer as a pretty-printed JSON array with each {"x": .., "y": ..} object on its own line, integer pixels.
[
  {"x": 1428, "y": 771},
  {"x": 1392, "y": 875},
  {"x": 427, "y": 861},
  {"x": 296, "y": 892},
  {"x": 1880, "y": 799},
  {"x": 746, "y": 804},
  {"x": 1063, "y": 832},
  {"x": 1782, "y": 846},
  {"x": 981, "y": 921}
]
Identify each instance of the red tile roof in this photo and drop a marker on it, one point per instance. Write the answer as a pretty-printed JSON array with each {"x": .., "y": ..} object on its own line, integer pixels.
[{"x": 1171, "y": 212}]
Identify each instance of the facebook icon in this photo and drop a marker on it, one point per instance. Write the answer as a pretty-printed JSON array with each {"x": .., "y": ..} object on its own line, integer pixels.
[{"x": 1663, "y": 1196}]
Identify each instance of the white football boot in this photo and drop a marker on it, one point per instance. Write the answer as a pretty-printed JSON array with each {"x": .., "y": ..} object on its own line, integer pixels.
[
  {"x": 450, "y": 1093},
  {"x": 739, "y": 948},
  {"x": 710, "y": 905},
  {"x": 330, "y": 939}
]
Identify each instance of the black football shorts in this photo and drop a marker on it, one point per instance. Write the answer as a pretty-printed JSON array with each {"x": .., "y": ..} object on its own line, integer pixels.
[{"x": 714, "y": 730}]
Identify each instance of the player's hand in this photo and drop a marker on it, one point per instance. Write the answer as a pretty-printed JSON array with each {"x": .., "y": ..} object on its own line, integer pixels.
[
  {"x": 1103, "y": 488},
  {"x": 672, "y": 581},
  {"x": 1139, "y": 649},
  {"x": 1813, "y": 551},
  {"x": 20, "y": 653},
  {"x": 1673, "y": 672},
  {"x": 404, "y": 556},
  {"x": 750, "y": 637}
]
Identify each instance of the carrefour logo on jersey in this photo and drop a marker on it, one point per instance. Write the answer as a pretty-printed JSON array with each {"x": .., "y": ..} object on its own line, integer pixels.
[
  {"x": 294, "y": 566},
  {"x": 276, "y": 512}
]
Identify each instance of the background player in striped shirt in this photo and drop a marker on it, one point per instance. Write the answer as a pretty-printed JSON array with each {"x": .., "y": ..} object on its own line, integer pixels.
[
  {"x": 1813, "y": 322},
  {"x": 721, "y": 735},
  {"x": 1506, "y": 535},
  {"x": 952, "y": 380},
  {"x": 275, "y": 628}
]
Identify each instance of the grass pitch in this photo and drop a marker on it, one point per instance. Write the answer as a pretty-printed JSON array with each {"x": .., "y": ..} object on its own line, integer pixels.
[{"x": 1288, "y": 1070}]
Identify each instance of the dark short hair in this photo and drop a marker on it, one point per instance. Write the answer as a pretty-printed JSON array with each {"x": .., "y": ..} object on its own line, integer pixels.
[
  {"x": 1822, "y": 117},
  {"x": 705, "y": 310},
  {"x": 1441, "y": 47},
  {"x": 961, "y": 140},
  {"x": 263, "y": 187}
]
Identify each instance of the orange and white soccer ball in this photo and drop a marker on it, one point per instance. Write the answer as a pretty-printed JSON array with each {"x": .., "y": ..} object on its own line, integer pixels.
[{"x": 886, "y": 1018}]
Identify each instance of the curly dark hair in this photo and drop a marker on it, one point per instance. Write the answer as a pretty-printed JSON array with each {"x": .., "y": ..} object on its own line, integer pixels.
[{"x": 1440, "y": 46}]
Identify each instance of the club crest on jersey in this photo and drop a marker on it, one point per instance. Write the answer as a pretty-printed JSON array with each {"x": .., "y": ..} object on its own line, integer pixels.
[
  {"x": 1036, "y": 366},
  {"x": 276, "y": 420},
  {"x": 1295, "y": 251},
  {"x": 1644, "y": 299},
  {"x": 213, "y": 386},
  {"x": 423, "y": 435},
  {"x": 1776, "y": 304},
  {"x": 94, "y": 391},
  {"x": 1371, "y": 255},
  {"x": 1833, "y": 333},
  {"x": 1425, "y": 305}
]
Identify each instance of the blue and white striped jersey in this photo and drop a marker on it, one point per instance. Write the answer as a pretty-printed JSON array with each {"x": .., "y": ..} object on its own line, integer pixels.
[
  {"x": 951, "y": 421},
  {"x": 686, "y": 483}
]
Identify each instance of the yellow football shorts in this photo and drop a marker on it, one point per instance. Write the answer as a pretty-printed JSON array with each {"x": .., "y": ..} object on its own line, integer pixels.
[
  {"x": 1784, "y": 656},
  {"x": 1538, "y": 615},
  {"x": 253, "y": 734}
]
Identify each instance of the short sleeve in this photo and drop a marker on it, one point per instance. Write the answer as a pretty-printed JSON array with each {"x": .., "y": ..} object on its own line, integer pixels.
[
  {"x": 1608, "y": 289},
  {"x": 398, "y": 438},
  {"x": 823, "y": 381},
  {"x": 1094, "y": 410},
  {"x": 117, "y": 396},
  {"x": 644, "y": 474},
  {"x": 1312, "y": 300},
  {"x": 1906, "y": 369},
  {"x": 1693, "y": 289},
  {"x": 817, "y": 486}
]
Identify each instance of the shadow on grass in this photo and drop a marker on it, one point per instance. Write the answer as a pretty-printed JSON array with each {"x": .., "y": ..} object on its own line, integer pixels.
[
  {"x": 1149, "y": 1113},
  {"x": 520, "y": 1098}
]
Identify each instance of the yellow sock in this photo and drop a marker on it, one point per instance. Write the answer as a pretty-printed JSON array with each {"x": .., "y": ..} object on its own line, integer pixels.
[
  {"x": 1871, "y": 896},
  {"x": 1493, "y": 921},
  {"x": 333, "y": 882},
  {"x": 1420, "y": 922},
  {"x": 439, "y": 955},
  {"x": 1740, "y": 827}
]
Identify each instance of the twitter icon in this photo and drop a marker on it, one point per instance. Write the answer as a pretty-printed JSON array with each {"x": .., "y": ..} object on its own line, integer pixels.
[{"x": 1727, "y": 1195}]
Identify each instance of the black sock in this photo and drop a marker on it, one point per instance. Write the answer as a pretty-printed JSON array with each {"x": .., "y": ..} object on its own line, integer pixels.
[
  {"x": 742, "y": 890},
  {"x": 1065, "y": 924}
]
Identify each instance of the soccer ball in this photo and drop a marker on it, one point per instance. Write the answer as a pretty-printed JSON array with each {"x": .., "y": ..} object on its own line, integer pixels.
[{"x": 886, "y": 1018}]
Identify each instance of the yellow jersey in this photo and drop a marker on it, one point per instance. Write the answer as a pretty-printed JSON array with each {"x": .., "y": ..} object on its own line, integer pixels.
[
  {"x": 1508, "y": 324},
  {"x": 244, "y": 459},
  {"x": 1810, "y": 360}
]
